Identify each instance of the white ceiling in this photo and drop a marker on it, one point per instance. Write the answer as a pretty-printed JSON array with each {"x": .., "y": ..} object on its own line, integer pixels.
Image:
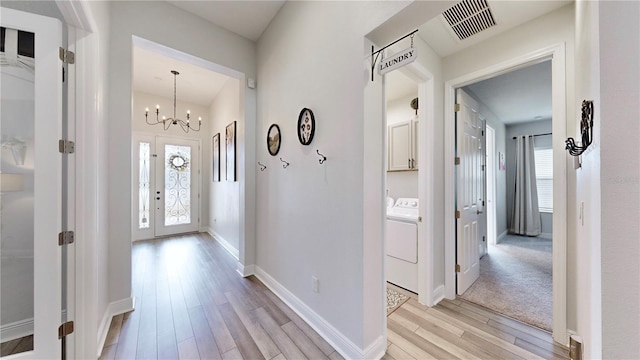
[
  {"x": 518, "y": 96},
  {"x": 507, "y": 13},
  {"x": 152, "y": 75},
  {"x": 245, "y": 18},
  {"x": 250, "y": 18}
]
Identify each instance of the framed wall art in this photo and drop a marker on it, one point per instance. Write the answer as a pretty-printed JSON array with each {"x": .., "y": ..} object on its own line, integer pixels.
[
  {"x": 230, "y": 142},
  {"x": 306, "y": 126},
  {"x": 273, "y": 139},
  {"x": 215, "y": 142}
]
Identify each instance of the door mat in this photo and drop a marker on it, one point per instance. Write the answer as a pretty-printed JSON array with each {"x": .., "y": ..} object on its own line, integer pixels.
[{"x": 394, "y": 300}]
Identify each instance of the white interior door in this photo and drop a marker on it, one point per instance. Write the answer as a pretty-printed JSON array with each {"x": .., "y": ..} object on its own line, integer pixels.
[
  {"x": 469, "y": 190},
  {"x": 177, "y": 186},
  {"x": 31, "y": 183}
]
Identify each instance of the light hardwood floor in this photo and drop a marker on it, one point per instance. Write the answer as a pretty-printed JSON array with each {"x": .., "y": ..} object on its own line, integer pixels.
[
  {"x": 192, "y": 304},
  {"x": 456, "y": 329}
]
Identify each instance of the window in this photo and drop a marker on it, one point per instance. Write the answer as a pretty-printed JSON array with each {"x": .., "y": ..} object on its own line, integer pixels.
[{"x": 544, "y": 179}]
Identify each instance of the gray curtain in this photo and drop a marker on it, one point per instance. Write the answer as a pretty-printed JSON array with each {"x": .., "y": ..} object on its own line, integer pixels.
[{"x": 525, "y": 219}]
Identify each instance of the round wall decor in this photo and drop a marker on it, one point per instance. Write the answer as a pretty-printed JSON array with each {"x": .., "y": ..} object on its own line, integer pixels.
[
  {"x": 178, "y": 162},
  {"x": 273, "y": 139},
  {"x": 306, "y": 126}
]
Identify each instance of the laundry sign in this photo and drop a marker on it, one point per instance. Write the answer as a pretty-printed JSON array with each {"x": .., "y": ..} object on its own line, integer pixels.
[{"x": 398, "y": 60}]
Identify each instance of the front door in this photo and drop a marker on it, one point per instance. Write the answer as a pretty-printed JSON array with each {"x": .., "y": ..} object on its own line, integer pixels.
[
  {"x": 168, "y": 186},
  {"x": 470, "y": 190}
]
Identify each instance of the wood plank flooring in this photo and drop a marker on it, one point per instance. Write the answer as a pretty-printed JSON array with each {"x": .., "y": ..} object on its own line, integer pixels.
[
  {"x": 192, "y": 304},
  {"x": 456, "y": 329},
  {"x": 16, "y": 346}
]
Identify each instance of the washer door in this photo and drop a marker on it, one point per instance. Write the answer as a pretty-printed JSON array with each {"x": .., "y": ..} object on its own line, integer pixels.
[{"x": 402, "y": 240}]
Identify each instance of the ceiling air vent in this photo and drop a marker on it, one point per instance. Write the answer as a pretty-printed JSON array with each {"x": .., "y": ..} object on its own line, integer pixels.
[{"x": 469, "y": 17}]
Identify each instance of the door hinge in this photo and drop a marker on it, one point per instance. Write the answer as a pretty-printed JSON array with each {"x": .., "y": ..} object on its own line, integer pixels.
[
  {"x": 66, "y": 146},
  {"x": 482, "y": 203},
  {"x": 66, "y": 238},
  {"x": 457, "y": 214},
  {"x": 482, "y": 132},
  {"x": 65, "y": 329},
  {"x": 456, "y": 161},
  {"x": 482, "y": 167},
  {"x": 456, "y": 107},
  {"x": 67, "y": 57},
  {"x": 457, "y": 268}
]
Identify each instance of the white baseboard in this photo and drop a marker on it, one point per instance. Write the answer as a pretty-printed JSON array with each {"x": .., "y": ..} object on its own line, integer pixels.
[
  {"x": 225, "y": 244},
  {"x": 341, "y": 343},
  {"x": 113, "y": 309},
  {"x": 16, "y": 330},
  {"x": 376, "y": 350},
  {"x": 501, "y": 236},
  {"x": 246, "y": 271},
  {"x": 438, "y": 294}
]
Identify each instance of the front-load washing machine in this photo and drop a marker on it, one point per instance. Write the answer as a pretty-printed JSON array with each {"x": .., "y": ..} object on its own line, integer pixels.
[{"x": 402, "y": 244}]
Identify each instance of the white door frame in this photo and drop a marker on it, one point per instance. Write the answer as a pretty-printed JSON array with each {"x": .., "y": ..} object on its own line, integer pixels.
[
  {"x": 427, "y": 295},
  {"x": 557, "y": 55},
  {"x": 491, "y": 185}
]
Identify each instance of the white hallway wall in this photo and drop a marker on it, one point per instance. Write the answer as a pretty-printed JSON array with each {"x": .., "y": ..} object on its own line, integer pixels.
[
  {"x": 619, "y": 178},
  {"x": 311, "y": 217},
  {"x": 224, "y": 196},
  {"x": 207, "y": 42}
]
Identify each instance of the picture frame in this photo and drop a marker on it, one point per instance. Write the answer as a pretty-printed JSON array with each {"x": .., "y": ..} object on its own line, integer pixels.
[
  {"x": 306, "y": 126},
  {"x": 273, "y": 139},
  {"x": 501, "y": 162},
  {"x": 215, "y": 143},
  {"x": 230, "y": 142}
]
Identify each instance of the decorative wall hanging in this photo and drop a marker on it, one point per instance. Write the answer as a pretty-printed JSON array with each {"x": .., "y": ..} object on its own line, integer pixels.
[
  {"x": 586, "y": 130},
  {"x": 395, "y": 61},
  {"x": 231, "y": 151},
  {"x": 306, "y": 126},
  {"x": 273, "y": 139},
  {"x": 179, "y": 162},
  {"x": 262, "y": 166},
  {"x": 285, "y": 163},
  {"x": 215, "y": 142}
]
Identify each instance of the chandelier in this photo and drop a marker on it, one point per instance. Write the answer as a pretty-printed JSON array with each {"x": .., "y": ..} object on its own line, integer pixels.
[{"x": 167, "y": 122}]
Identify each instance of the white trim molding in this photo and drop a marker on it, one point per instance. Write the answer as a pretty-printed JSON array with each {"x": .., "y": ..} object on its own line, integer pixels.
[
  {"x": 225, "y": 244},
  {"x": 113, "y": 309},
  {"x": 333, "y": 336},
  {"x": 16, "y": 330},
  {"x": 246, "y": 270}
]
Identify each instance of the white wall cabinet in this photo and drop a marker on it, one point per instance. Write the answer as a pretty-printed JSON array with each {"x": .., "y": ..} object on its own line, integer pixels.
[{"x": 403, "y": 145}]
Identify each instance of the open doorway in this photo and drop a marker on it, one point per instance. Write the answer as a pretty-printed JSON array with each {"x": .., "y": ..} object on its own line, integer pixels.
[
  {"x": 185, "y": 174},
  {"x": 515, "y": 273}
]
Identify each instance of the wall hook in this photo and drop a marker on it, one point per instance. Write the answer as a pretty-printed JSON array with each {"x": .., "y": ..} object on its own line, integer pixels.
[
  {"x": 285, "y": 164},
  {"x": 262, "y": 166},
  {"x": 586, "y": 131},
  {"x": 323, "y": 158}
]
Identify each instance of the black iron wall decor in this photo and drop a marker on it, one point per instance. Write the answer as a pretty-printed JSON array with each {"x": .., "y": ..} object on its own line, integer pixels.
[
  {"x": 306, "y": 126},
  {"x": 586, "y": 130}
]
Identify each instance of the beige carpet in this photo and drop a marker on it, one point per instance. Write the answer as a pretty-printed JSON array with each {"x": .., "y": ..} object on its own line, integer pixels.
[
  {"x": 394, "y": 300},
  {"x": 515, "y": 280}
]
